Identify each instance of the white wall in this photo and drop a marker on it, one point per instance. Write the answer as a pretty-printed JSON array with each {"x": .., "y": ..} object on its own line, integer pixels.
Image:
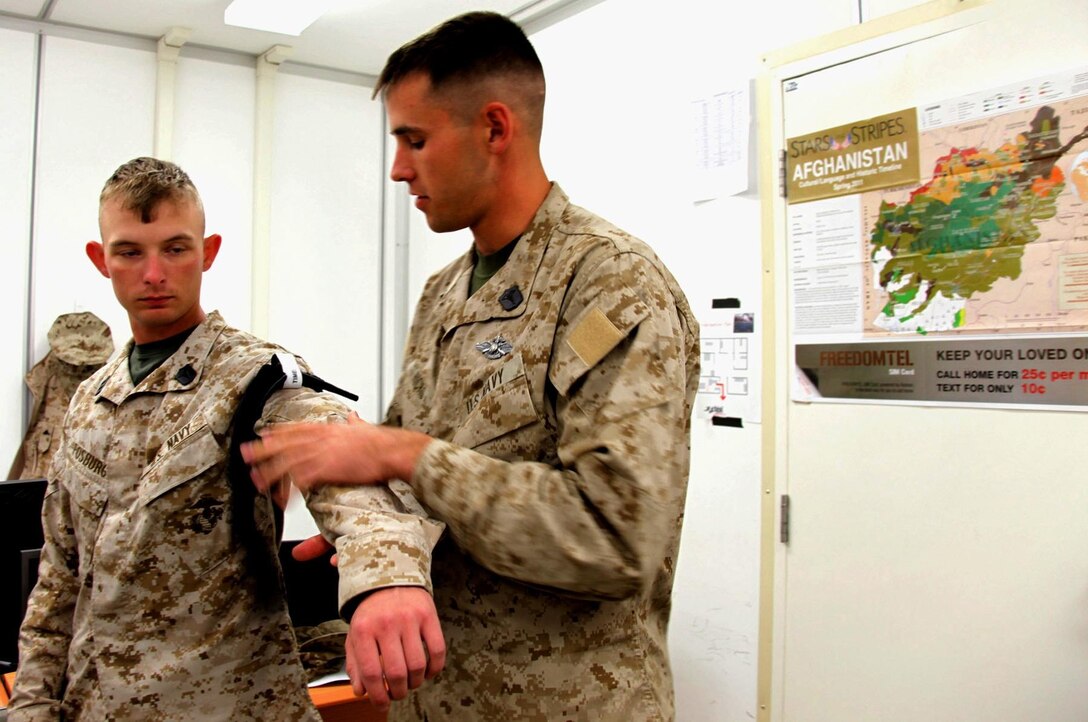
[
  {"x": 213, "y": 142},
  {"x": 326, "y": 239},
  {"x": 18, "y": 59},
  {"x": 95, "y": 113}
]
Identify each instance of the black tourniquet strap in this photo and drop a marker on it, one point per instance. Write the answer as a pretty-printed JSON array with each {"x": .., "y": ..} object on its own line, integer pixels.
[{"x": 261, "y": 551}]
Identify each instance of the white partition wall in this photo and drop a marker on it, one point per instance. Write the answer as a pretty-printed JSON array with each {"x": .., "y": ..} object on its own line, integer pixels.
[
  {"x": 213, "y": 142},
  {"x": 18, "y": 53},
  {"x": 326, "y": 230},
  {"x": 96, "y": 112}
]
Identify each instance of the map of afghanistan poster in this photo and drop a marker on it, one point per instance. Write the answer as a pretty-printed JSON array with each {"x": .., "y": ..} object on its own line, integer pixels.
[{"x": 966, "y": 283}]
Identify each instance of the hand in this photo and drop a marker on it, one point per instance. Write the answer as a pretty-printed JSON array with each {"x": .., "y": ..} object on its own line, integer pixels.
[
  {"x": 308, "y": 455},
  {"x": 395, "y": 643},
  {"x": 313, "y": 548}
]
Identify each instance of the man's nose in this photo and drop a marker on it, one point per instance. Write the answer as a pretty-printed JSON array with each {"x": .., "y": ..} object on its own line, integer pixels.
[
  {"x": 153, "y": 270},
  {"x": 401, "y": 170}
]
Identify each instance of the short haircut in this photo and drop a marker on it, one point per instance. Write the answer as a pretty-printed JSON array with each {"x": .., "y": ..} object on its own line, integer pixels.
[
  {"x": 469, "y": 49},
  {"x": 143, "y": 183}
]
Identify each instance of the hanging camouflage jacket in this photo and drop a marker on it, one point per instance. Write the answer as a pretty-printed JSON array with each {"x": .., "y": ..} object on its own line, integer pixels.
[{"x": 79, "y": 343}]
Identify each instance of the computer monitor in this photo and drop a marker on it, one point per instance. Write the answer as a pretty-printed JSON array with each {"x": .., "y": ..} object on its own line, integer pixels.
[{"x": 20, "y": 549}]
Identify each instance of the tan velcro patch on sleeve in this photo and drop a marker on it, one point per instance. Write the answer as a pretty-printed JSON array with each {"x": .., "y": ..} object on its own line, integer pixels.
[{"x": 594, "y": 337}]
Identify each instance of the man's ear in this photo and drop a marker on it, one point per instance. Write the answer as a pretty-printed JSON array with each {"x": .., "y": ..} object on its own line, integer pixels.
[
  {"x": 211, "y": 249},
  {"x": 500, "y": 124},
  {"x": 97, "y": 254}
]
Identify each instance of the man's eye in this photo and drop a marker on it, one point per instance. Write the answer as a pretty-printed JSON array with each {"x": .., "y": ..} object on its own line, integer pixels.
[
  {"x": 129, "y": 254},
  {"x": 415, "y": 144}
]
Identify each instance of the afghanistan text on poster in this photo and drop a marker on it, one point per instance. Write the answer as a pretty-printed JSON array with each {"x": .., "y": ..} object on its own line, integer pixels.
[
  {"x": 869, "y": 154},
  {"x": 992, "y": 240}
]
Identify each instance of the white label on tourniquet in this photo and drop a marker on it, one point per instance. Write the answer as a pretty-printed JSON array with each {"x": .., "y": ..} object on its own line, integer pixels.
[{"x": 291, "y": 368}]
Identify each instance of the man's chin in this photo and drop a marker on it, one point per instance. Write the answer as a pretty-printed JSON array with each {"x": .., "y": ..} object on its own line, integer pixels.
[
  {"x": 156, "y": 314},
  {"x": 443, "y": 225},
  {"x": 155, "y": 318}
]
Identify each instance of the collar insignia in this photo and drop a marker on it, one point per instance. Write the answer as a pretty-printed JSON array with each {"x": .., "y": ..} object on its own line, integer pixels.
[
  {"x": 185, "y": 375},
  {"x": 495, "y": 348},
  {"x": 511, "y": 298}
]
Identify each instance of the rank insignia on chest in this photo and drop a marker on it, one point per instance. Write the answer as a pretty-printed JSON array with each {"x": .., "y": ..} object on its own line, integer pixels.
[{"x": 495, "y": 348}]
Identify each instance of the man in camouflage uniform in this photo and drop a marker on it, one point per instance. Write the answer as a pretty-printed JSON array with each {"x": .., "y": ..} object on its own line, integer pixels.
[
  {"x": 543, "y": 411},
  {"x": 148, "y": 604}
]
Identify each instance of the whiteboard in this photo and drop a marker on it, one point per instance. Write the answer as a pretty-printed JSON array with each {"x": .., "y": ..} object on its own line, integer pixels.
[{"x": 937, "y": 565}]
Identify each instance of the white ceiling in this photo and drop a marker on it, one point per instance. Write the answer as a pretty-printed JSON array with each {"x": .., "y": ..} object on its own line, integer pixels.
[{"x": 356, "y": 35}]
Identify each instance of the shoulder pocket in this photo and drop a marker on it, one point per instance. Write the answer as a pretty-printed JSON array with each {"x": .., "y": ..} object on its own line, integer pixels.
[{"x": 588, "y": 339}]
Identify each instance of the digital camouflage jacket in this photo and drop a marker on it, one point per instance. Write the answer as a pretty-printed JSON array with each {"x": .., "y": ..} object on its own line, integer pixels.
[{"x": 561, "y": 394}]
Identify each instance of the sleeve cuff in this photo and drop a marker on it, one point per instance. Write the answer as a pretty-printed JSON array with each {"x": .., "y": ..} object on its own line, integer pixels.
[{"x": 367, "y": 565}]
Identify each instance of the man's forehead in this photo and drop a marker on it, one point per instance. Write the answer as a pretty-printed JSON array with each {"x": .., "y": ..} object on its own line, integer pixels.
[
  {"x": 413, "y": 84},
  {"x": 121, "y": 223},
  {"x": 180, "y": 206},
  {"x": 414, "y": 95},
  {"x": 437, "y": 112}
]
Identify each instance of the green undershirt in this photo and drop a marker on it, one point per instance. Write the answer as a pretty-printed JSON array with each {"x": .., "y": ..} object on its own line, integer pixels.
[
  {"x": 146, "y": 357},
  {"x": 487, "y": 266}
]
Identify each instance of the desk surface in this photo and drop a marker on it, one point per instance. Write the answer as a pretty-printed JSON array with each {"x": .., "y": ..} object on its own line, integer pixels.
[{"x": 337, "y": 703}]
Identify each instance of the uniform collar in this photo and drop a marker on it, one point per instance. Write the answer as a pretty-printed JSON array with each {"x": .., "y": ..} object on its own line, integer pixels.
[
  {"x": 181, "y": 371},
  {"x": 506, "y": 294}
]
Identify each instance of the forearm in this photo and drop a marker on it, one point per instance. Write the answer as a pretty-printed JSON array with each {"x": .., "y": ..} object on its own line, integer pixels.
[{"x": 599, "y": 527}]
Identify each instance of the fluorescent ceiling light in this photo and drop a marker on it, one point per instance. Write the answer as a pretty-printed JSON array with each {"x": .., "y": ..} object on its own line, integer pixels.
[{"x": 287, "y": 17}]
